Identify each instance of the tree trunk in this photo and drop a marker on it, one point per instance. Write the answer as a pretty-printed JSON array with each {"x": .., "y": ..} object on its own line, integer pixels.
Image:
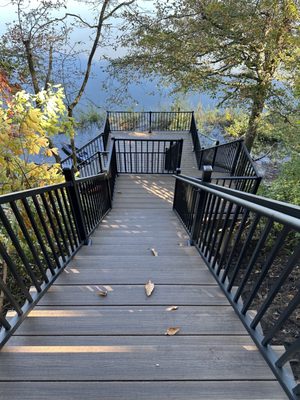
[
  {"x": 90, "y": 58},
  {"x": 72, "y": 141},
  {"x": 254, "y": 119},
  {"x": 31, "y": 66}
]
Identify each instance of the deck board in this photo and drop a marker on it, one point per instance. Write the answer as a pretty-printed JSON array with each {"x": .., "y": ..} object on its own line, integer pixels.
[
  {"x": 76, "y": 344},
  {"x": 199, "y": 390}
]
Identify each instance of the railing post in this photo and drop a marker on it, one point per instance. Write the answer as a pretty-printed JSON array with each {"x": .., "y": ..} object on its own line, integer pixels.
[
  {"x": 200, "y": 201},
  {"x": 178, "y": 172},
  {"x": 192, "y": 123},
  {"x": 236, "y": 157},
  {"x": 150, "y": 121},
  {"x": 76, "y": 205},
  {"x": 100, "y": 162},
  {"x": 179, "y": 154},
  {"x": 214, "y": 157}
]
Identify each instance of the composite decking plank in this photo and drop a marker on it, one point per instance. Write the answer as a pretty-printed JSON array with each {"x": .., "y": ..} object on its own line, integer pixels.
[
  {"x": 180, "y": 275},
  {"x": 153, "y": 358},
  {"x": 140, "y": 249},
  {"x": 110, "y": 261},
  {"x": 131, "y": 320},
  {"x": 209, "y": 390},
  {"x": 134, "y": 295},
  {"x": 78, "y": 344}
]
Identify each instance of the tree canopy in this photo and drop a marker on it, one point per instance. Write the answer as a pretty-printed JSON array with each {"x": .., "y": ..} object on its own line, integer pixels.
[{"x": 245, "y": 51}]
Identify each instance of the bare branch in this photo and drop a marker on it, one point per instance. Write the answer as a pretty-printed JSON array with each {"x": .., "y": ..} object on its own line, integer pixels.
[{"x": 110, "y": 14}]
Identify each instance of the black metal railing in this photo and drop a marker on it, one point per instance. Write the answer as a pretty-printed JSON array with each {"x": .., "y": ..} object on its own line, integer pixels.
[
  {"x": 149, "y": 121},
  {"x": 195, "y": 138},
  {"x": 251, "y": 246},
  {"x": 97, "y": 144},
  {"x": 137, "y": 156},
  {"x": 93, "y": 165},
  {"x": 40, "y": 231},
  {"x": 234, "y": 159}
]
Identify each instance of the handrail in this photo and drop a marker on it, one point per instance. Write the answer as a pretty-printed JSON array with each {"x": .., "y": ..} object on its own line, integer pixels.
[
  {"x": 223, "y": 144},
  {"x": 41, "y": 230},
  {"x": 93, "y": 145},
  {"x": 148, "y": 156},
  {"x": 251, "y": 246},
  {"x": 98, "y": 143},
  {"x": 149, "y": 120},
  {"x": 252, "y": 202},
  {"x": 234, "y": 159}
]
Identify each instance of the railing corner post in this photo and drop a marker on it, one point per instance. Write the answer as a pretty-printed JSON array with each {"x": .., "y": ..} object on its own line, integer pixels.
[
  {"x": 150, "y": 121},
  {"x": 200, "y": 202},
  {"x": 76, "y": 205},
  {"x": 206, "y": 173}
]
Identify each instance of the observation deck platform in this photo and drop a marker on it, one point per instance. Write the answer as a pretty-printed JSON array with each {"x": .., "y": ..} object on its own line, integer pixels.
[{"x": 78, "y": 344}]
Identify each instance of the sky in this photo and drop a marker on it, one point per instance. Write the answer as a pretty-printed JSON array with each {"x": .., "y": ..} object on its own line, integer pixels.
[{"x": 145, "y": 96}]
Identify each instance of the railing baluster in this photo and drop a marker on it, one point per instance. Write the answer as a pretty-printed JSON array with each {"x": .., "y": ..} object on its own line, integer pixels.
[
  {"x": 18, "y": 247},
  {"x": 276, "y": 287},
  {"x": 28, "y": 240},
  {"x": 38, "y": 235},
  {"x": 14, "y": 271},
  {"x": 254, "y": 258}
]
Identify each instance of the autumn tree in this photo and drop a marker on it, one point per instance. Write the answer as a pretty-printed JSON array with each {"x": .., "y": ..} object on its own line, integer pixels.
[
  {"x": 39, "y": 43},
  {"x": 24, "y": 133},
  {"x": 238, "y": 49}
]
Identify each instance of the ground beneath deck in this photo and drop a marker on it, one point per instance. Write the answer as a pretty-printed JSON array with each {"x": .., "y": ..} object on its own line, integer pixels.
[{"x": 77, "y": 344}]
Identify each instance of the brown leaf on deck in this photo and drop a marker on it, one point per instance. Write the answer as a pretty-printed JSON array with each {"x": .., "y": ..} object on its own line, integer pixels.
[
  {"x": 172, "y": 308},
  {"x": 102, "y": 292},
  {"x": 149, "y": 287},
  {"x": 172, "y": 331},
  {"x": 154, "y": 252}
]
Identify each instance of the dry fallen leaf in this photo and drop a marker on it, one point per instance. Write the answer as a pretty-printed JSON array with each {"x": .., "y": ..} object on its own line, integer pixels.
[
  {"x": 172, "y": 308},
  {"x": 102, "y": 292},
  {"x": 172, "y": 331},
  {"x": 149, "y": 287},
  {"x": 154, "y": 252}
]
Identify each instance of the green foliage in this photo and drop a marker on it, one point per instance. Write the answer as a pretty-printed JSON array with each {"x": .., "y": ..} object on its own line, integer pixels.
[
  {"x": 286, "y": 187},
  {"x": 90, "y": 118},
  {"x": 241, "y": 49}
]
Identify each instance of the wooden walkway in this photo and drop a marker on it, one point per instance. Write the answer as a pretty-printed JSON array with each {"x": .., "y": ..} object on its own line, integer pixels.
[{"x": 77, "y": 344}]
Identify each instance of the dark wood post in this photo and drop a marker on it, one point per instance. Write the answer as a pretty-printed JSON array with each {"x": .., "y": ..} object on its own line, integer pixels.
[{"x": 76, "y": 205}]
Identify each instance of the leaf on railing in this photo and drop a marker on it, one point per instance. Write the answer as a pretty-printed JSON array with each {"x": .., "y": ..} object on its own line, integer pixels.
[
  {"x": 172, "y": 308},
  {"x": 154, "y": 252},
  {"x": 172, "y": 331},
  {"x": 149, "y": 287},
  {"x": 102, "y": 292}
]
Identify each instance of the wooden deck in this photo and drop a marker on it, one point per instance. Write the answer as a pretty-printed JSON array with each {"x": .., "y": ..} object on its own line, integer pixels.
[{"x": 76, "y": 344}]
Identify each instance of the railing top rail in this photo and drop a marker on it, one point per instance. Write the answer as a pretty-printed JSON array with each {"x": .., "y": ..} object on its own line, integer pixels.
[
  {"x": 250, "y": 158},
  {"x": 287, "y": 214},
  {"x": 235, "y": 178},
  {"x": 83, "y": 147},
  {"x": 145, "y": 140},
  {"x": 223, "y": 144},
  {"x": 153, "y": 112},
  {"x": 100, "y": 176},
  {"x": 6, "y": 198}
]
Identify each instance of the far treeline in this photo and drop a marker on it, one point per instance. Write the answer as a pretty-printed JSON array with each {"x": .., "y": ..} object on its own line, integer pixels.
[{"x": 243, "y": 52}]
